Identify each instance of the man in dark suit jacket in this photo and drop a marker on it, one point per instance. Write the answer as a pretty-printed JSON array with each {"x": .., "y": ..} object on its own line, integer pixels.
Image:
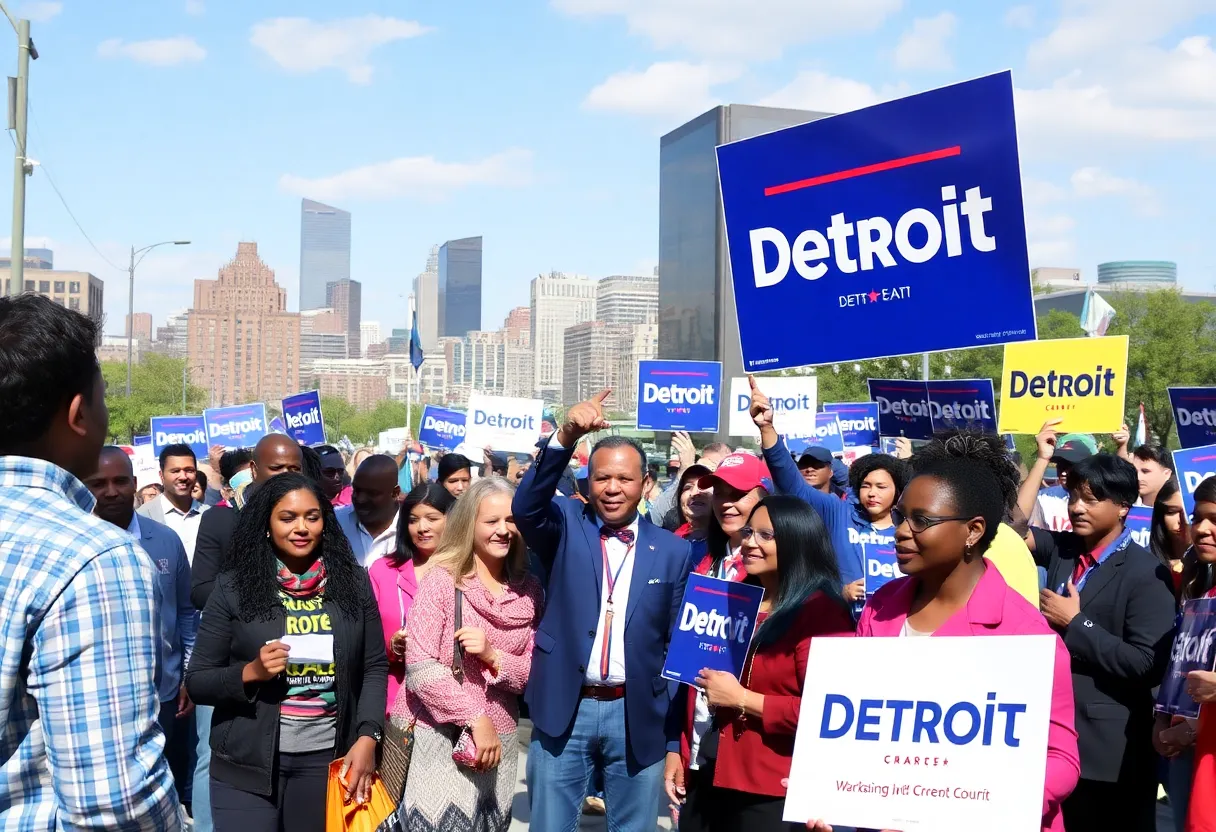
[
  {"x": 1113, "y": 604},
  {"x": 596, "y": 696}
]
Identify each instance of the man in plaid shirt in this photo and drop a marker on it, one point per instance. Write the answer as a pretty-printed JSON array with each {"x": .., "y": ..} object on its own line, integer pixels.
[{"x": 79, "y": 628}]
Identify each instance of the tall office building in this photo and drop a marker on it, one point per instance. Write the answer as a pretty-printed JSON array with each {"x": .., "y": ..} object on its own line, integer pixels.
[
  {"x": 80, "y": 291},
  {"x": 35, "y": 258},
  {"x": 426, "y": 301},
  {"x": 696, "y": 297},
  {"x": 244, "y": 346},
  {"x": 559, "y": 301},
  {"x": 171, "y": 339},
  {"x": 641, "y": 344},
  {"x": 324, "y": 251},
  {"x": 139, "y": 326},
  {"x": 345, "y": 297},
  {"x": 626, "y": 299},
  {"x": 322, "y": 338},
  {"x": 459, "y": 296},
  {"x": 369, "y": 335},
  {"x": 478, "y": 363},
  {"x": 591, "y": 362}
]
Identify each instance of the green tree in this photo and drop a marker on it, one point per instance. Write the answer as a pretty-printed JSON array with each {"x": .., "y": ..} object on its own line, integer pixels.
[{"x": 156, "y": 390}]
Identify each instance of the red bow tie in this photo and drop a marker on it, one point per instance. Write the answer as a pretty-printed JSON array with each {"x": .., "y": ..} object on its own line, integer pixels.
[{"x": 623, "y": 535}]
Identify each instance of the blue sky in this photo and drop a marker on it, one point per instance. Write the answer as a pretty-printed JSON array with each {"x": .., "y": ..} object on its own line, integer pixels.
[{"x": 536, "y": 124}]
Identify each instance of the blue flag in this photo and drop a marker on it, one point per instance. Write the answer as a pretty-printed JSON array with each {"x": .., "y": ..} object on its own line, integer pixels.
[
  {"x": 415, "y": 343},
  {"x": 714, "y": 629}
]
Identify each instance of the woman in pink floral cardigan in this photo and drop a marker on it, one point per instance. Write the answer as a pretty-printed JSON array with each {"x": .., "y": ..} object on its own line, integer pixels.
[{"x": 482, "y": 556}]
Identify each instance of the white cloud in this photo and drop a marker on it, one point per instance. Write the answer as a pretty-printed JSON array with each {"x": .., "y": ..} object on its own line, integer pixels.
[
  {"x": 924, "y": 45},
  {"x": 730, "y": 28},
  {"x": 1186, "y": 74},
  {"x": 1048, "y": 225},
  {"x": 196, "y": 7},
  {"x": 40, "y": 11},
  {"x": 421, "y": 177},
  {"x": 670, "y": 88},
  {"x": 1041, "y": 192},
  {"x": 1061, "y": 112},
  {"x": 1094, "y": 182},
  {"x": 1104, "y": 28},
  {"x": 1020, "y": 17},
  {"x": 821, "y": 92},
  {"x": 162, "y": 52},
  {"x": 1051, "y": 252},
  {"x": 298, "y": 44}
]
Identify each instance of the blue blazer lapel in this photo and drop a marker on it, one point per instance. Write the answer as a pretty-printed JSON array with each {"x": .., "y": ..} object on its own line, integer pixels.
[
  {"x": 591, "y": 530},
  {"x": 645, "y": 562}
]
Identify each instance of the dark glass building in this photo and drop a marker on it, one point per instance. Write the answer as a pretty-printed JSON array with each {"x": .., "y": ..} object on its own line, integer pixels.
[
  {"x": 696, "y": 297},
  {"x": 324, "y": 251},
  {"x": 459, "y": 296}
]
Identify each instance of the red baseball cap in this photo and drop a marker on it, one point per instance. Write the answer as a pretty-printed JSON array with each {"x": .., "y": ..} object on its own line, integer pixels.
[{"x": 741, "y": 471}]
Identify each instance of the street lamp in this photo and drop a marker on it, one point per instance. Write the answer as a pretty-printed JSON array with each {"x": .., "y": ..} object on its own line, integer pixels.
[{"x": 142, "y": 252}]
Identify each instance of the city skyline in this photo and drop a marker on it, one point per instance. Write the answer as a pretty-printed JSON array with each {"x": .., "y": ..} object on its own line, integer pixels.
[{"x": 238, "y": 122}]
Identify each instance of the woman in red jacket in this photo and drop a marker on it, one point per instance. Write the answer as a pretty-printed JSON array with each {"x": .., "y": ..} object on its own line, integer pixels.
[{"x": 787, "y": 550}]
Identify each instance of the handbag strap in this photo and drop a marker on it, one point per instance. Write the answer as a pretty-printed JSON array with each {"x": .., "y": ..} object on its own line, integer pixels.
[{"x": 457, "y": 650}]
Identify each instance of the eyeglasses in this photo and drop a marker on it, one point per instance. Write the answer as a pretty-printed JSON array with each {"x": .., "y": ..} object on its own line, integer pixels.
[
  {"x": 923, "y": 522},
  {"x": 763, "y": 534}
]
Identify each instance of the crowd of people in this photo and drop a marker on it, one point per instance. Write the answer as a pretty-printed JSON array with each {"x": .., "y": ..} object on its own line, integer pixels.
[{"x": 209, "y": 647}]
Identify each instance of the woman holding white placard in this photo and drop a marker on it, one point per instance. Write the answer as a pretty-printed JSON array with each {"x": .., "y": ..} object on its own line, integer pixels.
[{"x": 963, "y": 486}]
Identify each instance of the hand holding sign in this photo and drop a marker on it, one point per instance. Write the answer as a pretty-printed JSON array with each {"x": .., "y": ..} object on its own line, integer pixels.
[
  {"x": 1122, "y": 436},
  {"x": 1201, "y": 685},
  {"x": 721, "y": 688},
  {"x": 582, "y": 419},
  {"x": 1046, "y": 438},
  {"x": 681, "y": 445},
  {"x": 761, "y": 409}
]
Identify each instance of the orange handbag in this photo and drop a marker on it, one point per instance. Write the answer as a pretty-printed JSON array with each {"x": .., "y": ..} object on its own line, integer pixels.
[{"x": 341, "y": 816}]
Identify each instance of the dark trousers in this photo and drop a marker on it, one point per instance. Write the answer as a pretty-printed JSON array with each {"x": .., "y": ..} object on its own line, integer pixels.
[
  {"x": 179, "y": 748},
  {"x": 1096, "y": 806},
  {"x": 297, "y": 802},
  {"x": 708, "y": 808}
]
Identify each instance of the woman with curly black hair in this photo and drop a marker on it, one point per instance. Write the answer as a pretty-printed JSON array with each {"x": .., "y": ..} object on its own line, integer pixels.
[{"x": 291, "y": 655}]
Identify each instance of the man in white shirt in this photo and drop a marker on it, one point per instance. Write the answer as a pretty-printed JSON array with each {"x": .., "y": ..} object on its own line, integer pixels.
[
  {"x": 177, "y": 508},
  {"x": 370, "y": 521}
]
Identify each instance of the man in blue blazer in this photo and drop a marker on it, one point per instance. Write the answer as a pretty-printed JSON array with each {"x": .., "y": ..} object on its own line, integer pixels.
[
  {"x": 113, "y": 486},
  {"x": 596, "y": 697}
]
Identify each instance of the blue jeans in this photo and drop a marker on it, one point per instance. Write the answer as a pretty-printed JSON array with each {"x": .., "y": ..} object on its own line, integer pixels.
[
  {"x": 201, "y": 805},
  {"x": 1178, "y": 772},
  {"x": 560, "y": 768}
]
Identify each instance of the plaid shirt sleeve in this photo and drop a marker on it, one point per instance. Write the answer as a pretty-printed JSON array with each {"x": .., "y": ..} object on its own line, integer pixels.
[{"x": 91, "y": 673}]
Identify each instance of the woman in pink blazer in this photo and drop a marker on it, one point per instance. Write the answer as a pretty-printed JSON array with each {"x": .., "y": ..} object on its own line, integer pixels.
[
  {"x": 951, "y": 509},
  {"x": 395, "y": 578}
]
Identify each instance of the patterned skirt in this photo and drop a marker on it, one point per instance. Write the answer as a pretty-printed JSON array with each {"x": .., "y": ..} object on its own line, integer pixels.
[{"x": 441, "y": 796}]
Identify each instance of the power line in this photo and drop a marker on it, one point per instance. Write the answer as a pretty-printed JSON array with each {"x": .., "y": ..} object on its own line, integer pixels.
[{"x": 64, "y": 202}]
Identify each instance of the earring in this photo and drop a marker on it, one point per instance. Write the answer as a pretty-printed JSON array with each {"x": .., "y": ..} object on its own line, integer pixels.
[
  {"x": 268, "y": 534},
  {"x": 968, "y": 552}
]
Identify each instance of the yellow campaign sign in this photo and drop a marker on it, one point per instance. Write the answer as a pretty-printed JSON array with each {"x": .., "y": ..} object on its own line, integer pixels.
[{"x": 1081, "y": 381}]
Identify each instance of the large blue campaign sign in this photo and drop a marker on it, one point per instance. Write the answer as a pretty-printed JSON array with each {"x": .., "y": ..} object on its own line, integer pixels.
[
  {"x": 679, "y": 395},
  {"x": 858, "y": 422},
  {"x": 903, "y": 408},
  {"x": 903, "y": 221},
  {"x": 1193, "y": 466},
  {"x": 302, "y": 414},
  {"x": 1194, "y": 414},
  {"x": 239, "y": 426},
  {"x": 714, "y": 629},
  {"x": 962, "y": 403},
  {"x": 441, "y": 428},
  {"x": 1192, "y": 650},
  {"x": 179, "y": 430},
  {"x": 1139, "y": 522}
]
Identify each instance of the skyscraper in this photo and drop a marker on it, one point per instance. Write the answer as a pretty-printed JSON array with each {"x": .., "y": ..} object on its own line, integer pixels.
[
  {"x": 244, "y": 346},
  {"x": 345, "y": 297},
  {"x": 369, "y": 335},
  {"x": 627, "y": 299},
  {"x": 559, "y": 301},
  {"x": 426, "y": 301},
  {"x": 459, "y": 297},
  {"x": 696, "y": 299},
  {"x": 324, "y": 251}
]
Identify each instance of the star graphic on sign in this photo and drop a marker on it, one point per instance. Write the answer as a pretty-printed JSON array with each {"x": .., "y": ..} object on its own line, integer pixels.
[{"x": 873, "y": 296}]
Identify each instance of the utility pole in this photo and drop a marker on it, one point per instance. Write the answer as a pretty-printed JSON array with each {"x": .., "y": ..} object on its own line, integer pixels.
[
  {"x": 143, "y": 252},
  {"x": 185, "y": 366},
  {"x": 18, "y": 111}
]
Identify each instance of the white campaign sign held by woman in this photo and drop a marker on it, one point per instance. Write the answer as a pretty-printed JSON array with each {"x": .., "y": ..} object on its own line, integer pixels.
[{"x": 933, "y": 734}]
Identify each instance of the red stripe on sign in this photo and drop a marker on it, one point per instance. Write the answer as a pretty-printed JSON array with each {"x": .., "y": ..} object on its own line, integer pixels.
[
  {"x": 679, "y": 373},
  {"x": 722, "y": 592},
  {"x": 851, "y": 173}
]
